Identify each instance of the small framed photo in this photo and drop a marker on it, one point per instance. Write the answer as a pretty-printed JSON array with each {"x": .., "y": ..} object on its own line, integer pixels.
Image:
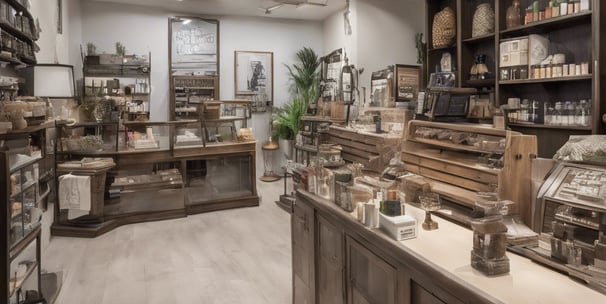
[
  {"x": 408, "y": 82},
  {"x": 254, "y": 74}
]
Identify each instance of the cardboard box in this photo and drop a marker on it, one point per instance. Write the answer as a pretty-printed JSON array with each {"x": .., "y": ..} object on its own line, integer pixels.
[
  {"x": 518, "y": 58},
  {"x": 401, "y": 227}
]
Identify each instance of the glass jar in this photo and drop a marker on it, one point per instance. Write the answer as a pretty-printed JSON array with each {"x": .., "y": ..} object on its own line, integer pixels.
[
  {"x": 536, "y": 71},
  {"x": 513, "y": 18},
  {"x": 524, "y": 106},
  {"x": 556, "y": 70},
  {"x": 558, "y": 113},
  {"x": 548, "y": 114},
  {"x": 523, "y": 72}
]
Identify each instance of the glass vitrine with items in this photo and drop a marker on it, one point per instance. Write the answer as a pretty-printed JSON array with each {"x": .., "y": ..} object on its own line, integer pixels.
[{"x": 24, "y": 189}]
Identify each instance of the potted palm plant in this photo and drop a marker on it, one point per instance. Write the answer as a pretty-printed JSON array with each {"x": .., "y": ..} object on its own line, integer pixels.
[{"x": 304, "y": 91}]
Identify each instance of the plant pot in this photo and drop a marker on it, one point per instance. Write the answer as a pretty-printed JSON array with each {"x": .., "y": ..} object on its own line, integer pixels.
[{"x": 287, "y": 147}]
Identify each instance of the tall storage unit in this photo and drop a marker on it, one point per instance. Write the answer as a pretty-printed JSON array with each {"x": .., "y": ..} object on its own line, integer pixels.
[{"x": 577, "y": 35}]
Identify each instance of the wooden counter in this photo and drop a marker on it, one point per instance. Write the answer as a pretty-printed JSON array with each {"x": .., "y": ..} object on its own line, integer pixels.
[{"x": 432, "y": 268}]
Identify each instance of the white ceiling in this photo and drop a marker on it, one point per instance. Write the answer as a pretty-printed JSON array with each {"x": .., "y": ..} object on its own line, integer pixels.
[{"x": 241, "y": 7}]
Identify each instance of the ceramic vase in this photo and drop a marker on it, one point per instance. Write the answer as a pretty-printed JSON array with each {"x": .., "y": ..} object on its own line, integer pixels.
[{"x": 483, "y": 20}]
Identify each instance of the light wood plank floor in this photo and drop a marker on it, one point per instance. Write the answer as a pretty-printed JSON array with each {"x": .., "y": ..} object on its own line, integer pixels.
[{"x": 231, "y": 256}]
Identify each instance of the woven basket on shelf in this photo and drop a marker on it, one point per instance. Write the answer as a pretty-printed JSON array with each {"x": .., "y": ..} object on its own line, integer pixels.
[
  {"x": 483, "y": 20},
  {"x": 444, "y": 29}
]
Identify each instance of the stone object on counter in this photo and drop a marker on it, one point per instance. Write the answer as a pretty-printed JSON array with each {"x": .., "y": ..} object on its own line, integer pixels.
[{"x": 489, "y": 246}]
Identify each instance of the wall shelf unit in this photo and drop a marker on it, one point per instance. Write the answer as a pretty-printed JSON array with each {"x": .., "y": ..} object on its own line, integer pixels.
[
  {"x": 579, "y": 36},
  {"x": 124, "y": 79}
]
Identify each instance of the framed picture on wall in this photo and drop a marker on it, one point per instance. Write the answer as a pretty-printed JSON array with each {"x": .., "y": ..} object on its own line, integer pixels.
[
  {"x": 408, "y": 82},
  {"x": 254, "y": 75}
]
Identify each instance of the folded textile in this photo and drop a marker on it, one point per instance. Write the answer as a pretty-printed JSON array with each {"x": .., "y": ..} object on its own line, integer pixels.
[{"x": 75, "y": 194}]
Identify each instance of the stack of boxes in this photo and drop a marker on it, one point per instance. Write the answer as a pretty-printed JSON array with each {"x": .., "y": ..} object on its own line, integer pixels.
[{"x": 513, "y": 62}]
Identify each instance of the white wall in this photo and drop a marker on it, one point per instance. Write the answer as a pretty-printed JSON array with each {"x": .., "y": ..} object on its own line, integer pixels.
[
  {"x": 334, "y": 36},
  {"x": 383, "y": 34},
  {"x": 54, "y": 47},
  {"x": 282, "y": 37}
]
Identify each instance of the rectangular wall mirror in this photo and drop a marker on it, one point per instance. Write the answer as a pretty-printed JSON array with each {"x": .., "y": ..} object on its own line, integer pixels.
[{"x": 194, "y": 65}]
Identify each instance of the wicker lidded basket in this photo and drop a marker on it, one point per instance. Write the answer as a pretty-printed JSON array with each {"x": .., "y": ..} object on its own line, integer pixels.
[{"x": 444, "y": 28}]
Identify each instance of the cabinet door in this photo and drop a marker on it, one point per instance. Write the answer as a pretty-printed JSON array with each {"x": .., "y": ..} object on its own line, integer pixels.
[
  {"x": 371, "y": 279},
  {"x": 302, "y": 227},
  {"x": 420, "y": 295},
  {"x": 330, "y": 265}
]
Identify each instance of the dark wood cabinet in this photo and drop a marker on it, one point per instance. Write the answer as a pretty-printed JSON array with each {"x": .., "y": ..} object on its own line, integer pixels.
[
  {"x": 578, "y": 36},
  {"x": 331, "y": 270},
  {"x": 371, "y": 280},
  {"x": 419, "y": 295},
  {"x": 303, "y": 262}
]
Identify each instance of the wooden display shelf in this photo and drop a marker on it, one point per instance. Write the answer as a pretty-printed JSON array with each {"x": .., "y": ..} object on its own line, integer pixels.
[
  {"x": 546, "y": 80},
  {"x": 441, "y": 49},
  {"x": 480, "y": 83},
  {"x": 17, "y": 33},
  {"x": 19, "y": 7},
  {"x": 543, "y": 26},
  {"x": 479, "y": 39},
  {"x": 542, "y": 126}
]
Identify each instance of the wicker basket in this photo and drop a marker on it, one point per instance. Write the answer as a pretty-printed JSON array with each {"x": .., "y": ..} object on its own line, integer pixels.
[
  {"x": 483, "y": 20},
  {"x": 444, "y": 28}
]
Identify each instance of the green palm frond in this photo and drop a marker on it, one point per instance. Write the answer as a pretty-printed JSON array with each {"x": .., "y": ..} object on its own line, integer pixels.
[{"x": 304, "y": 90}]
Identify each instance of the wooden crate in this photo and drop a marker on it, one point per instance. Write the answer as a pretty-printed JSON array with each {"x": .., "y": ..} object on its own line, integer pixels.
[
  {"x": 454, "y": 170},
  {"x": 372, "y": 150}
]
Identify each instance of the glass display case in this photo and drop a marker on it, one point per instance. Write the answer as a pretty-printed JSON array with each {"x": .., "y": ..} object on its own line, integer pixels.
[
  {"x": 218, "y": 178},
  {"x": 221, "y": 120},
  {"x": 188, "y": 133},
  {"x": 24, "y": 188},
  {"x": 88, "y": 137},
  {"x": 147, "y": 136},
  {"x": 158, "y": 170}
]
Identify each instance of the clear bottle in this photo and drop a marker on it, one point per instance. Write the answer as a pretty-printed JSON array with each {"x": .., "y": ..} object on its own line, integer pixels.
[
  {"x": 534, "y": 111},
  {"x": 581, "y": 113},
  {"x": 568, "y": 113},
  {"x": 558, "y": 114},
  {"x": 589, "y": 110},
  {"x": 524, "y": 106},
  {"x": 548, "y": 114}
]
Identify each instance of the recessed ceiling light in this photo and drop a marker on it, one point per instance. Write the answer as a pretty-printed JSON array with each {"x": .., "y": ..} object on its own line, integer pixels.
[{"x": 186, "y": 21}]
